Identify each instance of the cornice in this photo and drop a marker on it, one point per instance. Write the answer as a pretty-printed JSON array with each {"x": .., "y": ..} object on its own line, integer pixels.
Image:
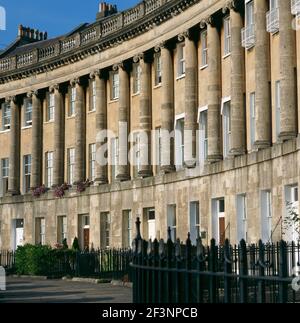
[{"x": 101, "y": 35}]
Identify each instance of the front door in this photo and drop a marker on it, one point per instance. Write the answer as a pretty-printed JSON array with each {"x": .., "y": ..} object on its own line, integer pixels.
[
  {"x": 222, "y": 231},
  {"x": 86, "y": 238}
]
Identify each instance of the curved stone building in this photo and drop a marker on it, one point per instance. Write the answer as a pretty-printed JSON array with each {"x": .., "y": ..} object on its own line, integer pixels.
[{"x": 208, "y": 91}]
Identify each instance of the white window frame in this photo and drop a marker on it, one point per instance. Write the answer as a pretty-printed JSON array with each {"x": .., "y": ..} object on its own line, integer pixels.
[
  {"x": 115, "y": 85},
  {"x": 204, "y": 49},
  {"x": 27, "y": 163},
  {"x": 179, "y": 141},
  {"x": 28, "y": 113},
  {"x": 92, "y": 161},
  {"x": 181, "y": 60},
  {"x": 6, "y": 116},
  {"x": 203, "y": 135},
  {"x": 51, "y": 107},
  {"x": 252, "y": 100},
  {"x": 242, "y": 217},
  {"x": 278, "y": 107},
  {"x": 158, "y": 72},
  {"x": 137, "y": 72},
  {"x": 227, "y": 36},
  {"x": 72, "y": 105},
  {"x": 71, "y": 165},
  {"x": 49, "y": 168},
  {"x": 226, "y": 126},
  {"x": 4, "y": 175},
  {"x": 158, "y": 148},
  {"x": 195, "y": 221},
  {"x": 290, "y": 197},
  {"x": 266, "y": 216},
  {"x": 114, "y": 156},
  {"x": 63, "y": 228},
  {"x": 93, "y": 96},
  {"x": 172, "y": 220}
]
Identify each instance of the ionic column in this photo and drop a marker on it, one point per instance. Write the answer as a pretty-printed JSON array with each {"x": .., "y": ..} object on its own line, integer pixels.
[
  {"x": 80, "y": 135},
  {"x": 167, "y": 110},
  {"x": 191, "y": 100},
  {"x": 262, "y": 91},
  {"x": 287, "y": 53},
  {"x": 238, "y": 118},
  {"x": 101, "y": 127},
  {"x": 14, "y": 152},
  {"x": 214, "y": 92},
  {"x": 37, "y": 149},
  {"x": 58, "y": 160},
  {"x": 145, "y": 169},
  {"x": 123, "y": 172}
]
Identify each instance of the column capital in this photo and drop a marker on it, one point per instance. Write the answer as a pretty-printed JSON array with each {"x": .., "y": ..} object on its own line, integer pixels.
[
  {"x": 182, "y": 36},
  {"x": 210, "y": 21},
  {"x": 95, "y": 73},
  {"x": 31, "y": 94},
  {"x": 137, "y": 58},
  {"x": 121, "y": 65},
  {"x": 10, "y": 99},
  {"x": 75, "y": 81},
  {"x": 235, "y": 5},
  {"x": 160, "y": 46},
  {"x": 55, "y": 87}
]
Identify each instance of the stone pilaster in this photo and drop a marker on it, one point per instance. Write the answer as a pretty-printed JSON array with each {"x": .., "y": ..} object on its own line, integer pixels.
[
  {"x": 214, "y": 92},
  {"x": 238, "y": 117},
  {"x": 167, "y": 110},
  {"x": 262, "y": 91},
  {"x": 80, "y": 132},
  {"x": 191, "y": 100},
  {"x": 101, "y": 127},
  {"x": 123, "y": 171},
  {"x": 287, "y": 59},
  {"x": 14, "y": 152},
  {"x": 58, "y": 160},
  {"x": 36, "y": 142},
  {"x": 145, "y": 117}
]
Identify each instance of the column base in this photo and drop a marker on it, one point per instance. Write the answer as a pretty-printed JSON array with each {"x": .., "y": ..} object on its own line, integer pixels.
[
  {"x": 13, "y": 193},
  {"x": 167, "y": 169},
  {"x": 262, "y": 144},
  {"x": 237, "y": 152},
  {"x": 285, "y": 136},
  {"x": 123, "y": 177},
  {"x": 214, "y": 158},
  {"x": 145, "y": 173},
  {"x": 190, "y": 164},
  {"x": 101, "y": 181}
]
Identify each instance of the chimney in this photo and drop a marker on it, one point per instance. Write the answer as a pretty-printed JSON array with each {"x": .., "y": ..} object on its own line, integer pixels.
[
  {"x": 31, "y": 35},
  {"x": 106, "y": 10}
]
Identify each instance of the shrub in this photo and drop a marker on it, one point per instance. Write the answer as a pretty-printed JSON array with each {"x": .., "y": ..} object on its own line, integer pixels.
[
  {"x": 75, "y": 245},
  {"x": 34, "y": 260}
]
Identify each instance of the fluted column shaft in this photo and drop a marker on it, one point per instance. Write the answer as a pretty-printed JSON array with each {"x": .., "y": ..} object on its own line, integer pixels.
[
  {"x": 145, "y": 169},
  {"x": 167, "y": 111},
  {"x": 214, "y": 94},
  {"x": 191, "y": 102},
  {"x": 37, "y": 149},
  {"x": 58, "y": 160},
  {"x": 262, "y": 91},
  {"x": 101, "y": 128},
  {"x": 123, "y": 172},
  {"x": 287, "y": 52},
  {"x": 238, "y": 122},
  {"x": 14, "y": 152},
  {"x": 80, "y": 134}
]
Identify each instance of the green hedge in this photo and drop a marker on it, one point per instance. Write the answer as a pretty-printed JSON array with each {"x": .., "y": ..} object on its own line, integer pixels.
[{"x": 38, "y": 260}]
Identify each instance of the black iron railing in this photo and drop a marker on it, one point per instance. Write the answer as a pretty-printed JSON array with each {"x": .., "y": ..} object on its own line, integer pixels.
[{"x": 167, "y": 272}]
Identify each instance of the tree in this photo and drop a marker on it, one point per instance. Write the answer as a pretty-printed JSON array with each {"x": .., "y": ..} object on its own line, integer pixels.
[{"x": 291, "y": 223}]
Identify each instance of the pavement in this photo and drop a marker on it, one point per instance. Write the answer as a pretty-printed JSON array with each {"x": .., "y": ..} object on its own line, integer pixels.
[{"x": 28, "y": 290}]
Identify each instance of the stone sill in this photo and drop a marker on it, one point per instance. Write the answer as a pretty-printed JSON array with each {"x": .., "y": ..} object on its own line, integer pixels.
[{"x": 229, "y": 164}]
